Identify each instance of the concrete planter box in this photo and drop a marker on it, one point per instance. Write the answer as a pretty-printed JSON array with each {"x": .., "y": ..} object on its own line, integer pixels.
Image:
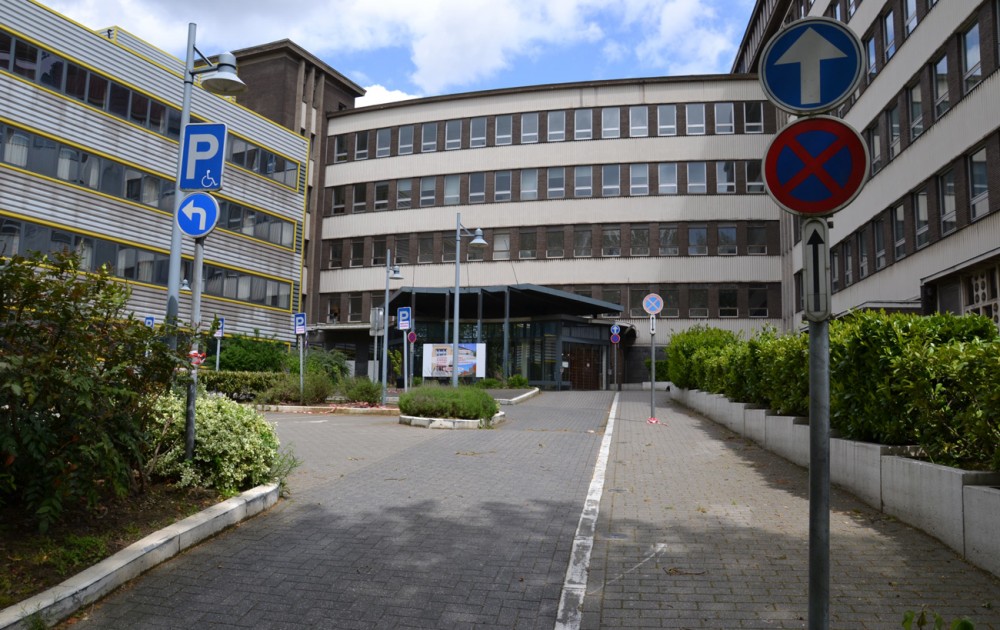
[
  {"x": 754, "y": 425},
  {"x": 982, "y": 514},
  {"x": 931, "y": 497},
  {"x": 788, "y": 436},
  {"x": 857, "y": 467},
  {"x": 731, "y": 415}
]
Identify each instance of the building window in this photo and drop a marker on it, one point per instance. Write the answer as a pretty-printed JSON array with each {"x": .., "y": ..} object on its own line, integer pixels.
[
  {"x": 381, "y": 196},
  {"x": 695, "y": 119},
  {"x": 941, "y": 104},
  {"x": 892, "y": 126},
  {"x": 725, "y": 177},
  {"x": 835, "y": 13},
  {"x": 528, "y": 245},
  {"x": 429, "y": 138},
  {"x": 946, "y": 201},
  {"x": 477, "y": 132},
  {"x": 504, "y": 130},
  {"x": 671, "y": 303},
  {"x": 725, "y": 120},
  {"x": 340, "y": 149},
  {"x": 909, "y": 16},
  {"x": 753, "y": 117},
  {"x": 339, "y": 199},
  {"x": 383, "y": 141},
  {"x": 501, "y": 246},
  {"x": 554, "y": 239},
  {"x": 666, "y": 120},
  {"x": 404, "y": 194},
  {"x": 583, "y": 242},
  {"x": 610, "y": 180},
  {"x": 638, "y": 121},
  {"x": 425, "y": 248},
  {"x": 920, "y": 218},
  {"x": 916, "y": 111},
  {"x": 358, "y": 252},
  {"x": 758, "y": 301},
  {"x": 556, "y": 183},
  {"x": 875, "y": 147},
  {"x": 697, "y": 240},
  {"x": 635, "y": 297},
  {"x": 611, "y": 122},
  {"x": 502, "y": 186},
  {"x": 556, "y": 131},
  {"x": 529, "y": 128},
  {"x": 899, "y": 231},
  {"x": 755, "y": 178},
  {"x": 361, "y": 145},
  {"x": 728, "y": 302},
  {"x": 862, "y": 254},
  {"x": 639, "y": 241},
  {"x": 378, "y": 251},
  {"x": 451, "y": 188},
  {"x": 978, "y": 184},
  {"x": 668, "y": 178},
  {"x": 698, "y": 302},
  {"x": 972, "y": 72},
  {"x": 757, "y": 240},
  {"x": 638, "y": 180},
  {"x": 611, "y": 241},
  {"x": 879, "y": 227},
  {"x": 611, "y": 295},
  {"x": 477, "y": 187},
  {"x": 360, "y": 198},
  {"x": 669, "y": 243},
  {"x": 426, "y": 191},
  {"x": 583, "y": 185},
  {"x": 335, "y": 255},
  {"x": 405, "y": 140},
  {"x": 583, "y": 127},
  {"x": 870, "y": 49},
  {"x": 889, "y": 35},
  {"x": 697, "y": 178},
  {"x": 453, "y": 135},
  {"x": 354, "y": 307},
  {"x": 529, "y": 184},
  {"x": 727, "y": 240}
]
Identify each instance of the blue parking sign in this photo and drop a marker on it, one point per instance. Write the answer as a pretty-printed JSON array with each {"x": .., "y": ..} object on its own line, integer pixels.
[
  {"x": 203, "y": 156},
  {"x": 403, "y": 314},
  {"x": 300, "y": 323}
]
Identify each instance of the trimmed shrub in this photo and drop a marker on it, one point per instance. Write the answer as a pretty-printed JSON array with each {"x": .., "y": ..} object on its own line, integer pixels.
[
  {"x": 464, "y": 402},
  {"x": 682, "y": 366},
  {"x": 489, "y": 383},
  {"x": 235, "y": 447},
  {"x": 662, "y": 374},
  {"x": 242, "y": 353},
  {"x": 782, "y": 373},
  {"x": 518, "y": 381},
  {"x": 316, "y": 388},
  {"x": 239, "y": 386},
  {"x": 360, "y": 389}
]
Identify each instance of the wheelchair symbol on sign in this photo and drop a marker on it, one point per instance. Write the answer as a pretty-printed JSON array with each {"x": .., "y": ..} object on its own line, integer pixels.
[{"x": 208, "y": 181}]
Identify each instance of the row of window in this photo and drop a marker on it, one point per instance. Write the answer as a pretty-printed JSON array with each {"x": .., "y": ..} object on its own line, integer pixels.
[
  {"x": 134, "y": 263},
  {"x": 44, "y": 156},
  {"x": 52, "y": 71},
  {"x": 608, "y": 180},
  {"x": 695, "y": 301},
  {"x": 580, "y": 241},
  {"x": 552, "y": 126}
]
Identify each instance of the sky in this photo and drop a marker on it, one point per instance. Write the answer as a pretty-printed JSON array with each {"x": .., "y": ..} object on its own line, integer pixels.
[{"x": 398, "y": 49}]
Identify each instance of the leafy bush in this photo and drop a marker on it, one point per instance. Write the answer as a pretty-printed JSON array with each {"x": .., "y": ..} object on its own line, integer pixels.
[
  {"x": 77, "y": 377},
  {"x": 518, "y": 381},
  {"x": 361, "y": 389},
  {"x": 332, "y": 363},
  {"x": 662, "y": 373},
  {"x": 235, "y": 447},
  {"x": 783, "y": 373},
  {"x": 681, "y": 364},
  {"x": 315, "y": 388},
  {"x": 489, "y": 383},
  {"x": 463, "y": 402},
  {"x": 239, "y": 386},
  {"x": 242, "y": 353}
]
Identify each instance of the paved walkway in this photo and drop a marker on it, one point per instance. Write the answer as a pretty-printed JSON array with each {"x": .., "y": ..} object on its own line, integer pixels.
[{"x": 395, "y": 527}]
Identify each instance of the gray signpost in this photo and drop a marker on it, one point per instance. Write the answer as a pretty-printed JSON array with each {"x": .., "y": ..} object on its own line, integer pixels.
[{"x": 652, "y": 304}]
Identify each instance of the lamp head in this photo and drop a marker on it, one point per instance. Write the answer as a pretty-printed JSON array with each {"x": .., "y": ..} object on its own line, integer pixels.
[
  {"x": 185, "y": 286},
  {"x": 478, "y": 242},
  {"x": 224, "y": 81},
  {"x": 395, "y": 274}
]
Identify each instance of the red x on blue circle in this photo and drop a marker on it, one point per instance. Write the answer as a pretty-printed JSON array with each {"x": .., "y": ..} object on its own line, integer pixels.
[{"x": 816, "y": 166}]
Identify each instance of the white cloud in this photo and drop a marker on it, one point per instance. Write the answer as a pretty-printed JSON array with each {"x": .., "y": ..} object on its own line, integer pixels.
[{"x": 378, "y": 94}]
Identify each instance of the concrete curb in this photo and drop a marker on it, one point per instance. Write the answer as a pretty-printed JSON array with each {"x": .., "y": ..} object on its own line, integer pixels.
[
  {"x": 90, "y": 585},
  {"x": 519, "y": 399},
  {"x": 447, "y": 423}
]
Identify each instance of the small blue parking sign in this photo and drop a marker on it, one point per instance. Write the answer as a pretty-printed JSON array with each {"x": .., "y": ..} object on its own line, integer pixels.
[
  {"x": 150, "y": 321},
  {"x": 203, "y": 156},
  {"x": 300, "y": 323},
  {"x": 403, "y": 318}
]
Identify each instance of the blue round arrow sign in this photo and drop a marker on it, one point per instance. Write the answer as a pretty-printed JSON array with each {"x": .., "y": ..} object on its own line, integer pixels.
[
  {"x": 198, "y": 214},
  {"x": 812, "y": 66}
]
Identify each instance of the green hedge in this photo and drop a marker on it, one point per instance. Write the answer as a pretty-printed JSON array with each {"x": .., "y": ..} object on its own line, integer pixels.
[
  {"x": 239, "y": 386},
  {"x": 894, "y": 379},
  {"x": 464, "y": 402}
]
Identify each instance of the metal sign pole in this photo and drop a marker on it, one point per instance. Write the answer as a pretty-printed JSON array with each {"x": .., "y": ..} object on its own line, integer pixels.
[
  {"x": 406, "y": 365},
  {"x": 819, "y": 475},
  {"x": 218, "y": 350},
  {"x": 302, "y": 368},
  {"x": 652, "y": 367}
]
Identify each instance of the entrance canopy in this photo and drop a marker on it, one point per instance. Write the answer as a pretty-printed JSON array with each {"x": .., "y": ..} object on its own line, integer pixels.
[{"x": 525, "y": 300}]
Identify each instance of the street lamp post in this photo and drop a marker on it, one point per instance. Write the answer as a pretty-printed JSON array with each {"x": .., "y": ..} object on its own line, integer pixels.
[
  {"x": 224, "y": 82},
  {"x": 477, "y": 242},
  {"x": 391, "y": 273}
]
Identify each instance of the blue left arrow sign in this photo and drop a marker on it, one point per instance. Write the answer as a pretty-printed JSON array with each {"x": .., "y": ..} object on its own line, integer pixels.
[{"x": 198, "y": 214}]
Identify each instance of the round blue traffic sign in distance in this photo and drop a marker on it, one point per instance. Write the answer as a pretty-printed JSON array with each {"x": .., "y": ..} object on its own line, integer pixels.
[
  {"x": 652, "y": 304},
  {"x": 615, "y": 338},
  {"x": 615, "y": 329},
  {"x": 198, "y": 214},
  {"x": 812, "y": 66}
]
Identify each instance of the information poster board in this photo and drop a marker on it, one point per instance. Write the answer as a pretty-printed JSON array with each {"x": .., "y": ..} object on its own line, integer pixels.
[{"x": 438, "y": 360}]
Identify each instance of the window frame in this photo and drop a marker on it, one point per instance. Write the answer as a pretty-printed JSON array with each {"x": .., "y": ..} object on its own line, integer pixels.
[
  {"x": 725, "y": 128},
  {"x": 694, "y": 128}
]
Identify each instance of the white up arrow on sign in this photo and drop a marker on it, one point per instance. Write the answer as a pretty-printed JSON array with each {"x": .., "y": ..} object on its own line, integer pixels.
[
  {"x": 809, "y": 50},
  {"x": 191, "y": 208}
]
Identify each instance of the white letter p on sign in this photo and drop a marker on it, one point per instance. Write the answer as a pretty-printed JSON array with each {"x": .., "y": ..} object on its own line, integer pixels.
[{"x": 203, "y": 146}]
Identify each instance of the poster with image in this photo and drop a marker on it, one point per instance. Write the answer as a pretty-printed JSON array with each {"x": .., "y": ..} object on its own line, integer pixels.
[{"x": 438, "y": 361}]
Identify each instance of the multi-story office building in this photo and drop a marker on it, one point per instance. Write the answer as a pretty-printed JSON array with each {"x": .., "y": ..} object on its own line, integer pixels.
[
  {"x": 922, "y": 235},
  {"x": 89, "y": 127}
]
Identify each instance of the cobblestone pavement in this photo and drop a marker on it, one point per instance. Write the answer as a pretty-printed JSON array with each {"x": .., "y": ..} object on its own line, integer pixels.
[
  {"x": 390, "y": 526},
  {"x": 700, "y": 528}
]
